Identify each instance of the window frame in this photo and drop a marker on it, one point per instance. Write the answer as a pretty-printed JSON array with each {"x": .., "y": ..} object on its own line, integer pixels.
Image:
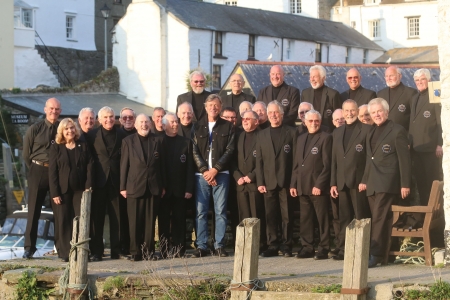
[
  {"x": 375, "y": 29},
  {"x": 295, "y": 6},
  {"x": 71, "y": 29},
  {"x": 251, "y": 46},
  {"x": 19, "y": 18},
  {"x": 416, "y": 25},
  {"x": 217, "y": 79},
  {"x": 218, "y": 43},
  {"x": 318, "y": 53}
]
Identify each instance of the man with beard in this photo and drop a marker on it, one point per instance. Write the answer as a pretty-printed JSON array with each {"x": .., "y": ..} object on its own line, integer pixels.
[
  {"x": 364, "y": 115},
  {"x": 105, "y": 142},
  {"x": 127, "y": 118},
  {"x": 323, "y": 98},
  {"x": 398, "y": 96},
  {"x": 185, "y": 115},
  {"x": 288, "y": 96},
  {"x": 274, "y": 157},
  {"x": 261, "y": 109},
  {"x": 143, "y": 157},
  {"x": 356, "y": 91},
  {"x": 237, "y": 96},
  {"x": 347, "y": 168},
  {"x": 86, "y": 119},
  {"x": 197, "y": 96}
]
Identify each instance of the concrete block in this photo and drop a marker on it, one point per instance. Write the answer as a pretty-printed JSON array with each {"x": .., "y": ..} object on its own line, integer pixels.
[{"x": 439, "y": 257}]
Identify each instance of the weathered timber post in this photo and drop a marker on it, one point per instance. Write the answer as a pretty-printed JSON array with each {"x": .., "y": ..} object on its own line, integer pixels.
[
  {"x": 245, "y": 258},
  {"x": 73, "y": 255},
  {"x": 356, "y": 260}
]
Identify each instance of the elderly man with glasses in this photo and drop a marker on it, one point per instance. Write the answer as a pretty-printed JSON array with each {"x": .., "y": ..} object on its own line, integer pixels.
[
  {"x": 196, "y": 96},
  {"x": 126, "y": 119},
  {"x": 356, "y": 91},
  {"x": 237, "y": 96}
]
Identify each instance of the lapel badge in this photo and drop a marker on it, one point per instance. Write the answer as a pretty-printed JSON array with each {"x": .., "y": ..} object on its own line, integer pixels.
[
  {"x": 386, "y": 148},
  {"x": 285, "y": 102},
  {"x": 254, "y": 153},
  {"x": 402, "y": 108},
  {"x": 359, "y": 147},
  {"x": 53, "y": 141},
  {"x": 156, "y": 154},
  {"x": 427, "y": 114},
  {"x": 329, "y": 112},
  {"x": 286, "y": 148},
  {"x": 183, "y": 158},
  {"x": 314, "y": 150}
]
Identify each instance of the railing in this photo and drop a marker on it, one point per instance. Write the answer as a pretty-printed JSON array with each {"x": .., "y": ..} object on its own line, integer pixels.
[{"x": 51, "y": 60}]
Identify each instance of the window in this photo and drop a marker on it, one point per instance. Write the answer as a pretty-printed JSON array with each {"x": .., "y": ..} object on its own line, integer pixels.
[
  {"x": 296, "y": 6},
  {"x": 366, "y": 56},
  {"x": 318, "y": 53},
  {"x": 289, "y": 49},
  {"x": 251, "y": 46},
  {"x": 217, "y": 71},
  {"x": 70, "y": 20},
  {"x": 23, "y": 18},
  {"x": 371, "y": 2},
  {"x": 232, "y": 3},
  {"x": 347, "y": 56},
  {"x": 374, "y": 29},
  {"x": 218, "y": 44},
  {"x": 413, "y": 27}
]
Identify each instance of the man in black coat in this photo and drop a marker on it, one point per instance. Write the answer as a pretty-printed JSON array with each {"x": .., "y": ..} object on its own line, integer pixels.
[
  {"x": 86, "y": 120},
  {"x": 261, "y": 109},
  {"x": 356, "y": 91},
  {"x": 311, "y": 181},
  {"x": 142, "y": 182},
  {"x": 105, "y": 142},
  {"x": 237, "y": 96},
  {"x": 386, "y": 176},
  {"x": 398, "y": 96},
  {"x": 127, "y": 118},
  {"x": 325, "y": 99},
  {"x": 185, "y": 114},
  {"x": 425, "y": 137},
  {"x": 179, "y": 189},
  {"x": 287, "y": 95},
  {"x": 249, "y": 200},
  {"x": 274, "y": 157},
  {"x": 197, "y": 96},
  {"x": 347, "y": 168}
]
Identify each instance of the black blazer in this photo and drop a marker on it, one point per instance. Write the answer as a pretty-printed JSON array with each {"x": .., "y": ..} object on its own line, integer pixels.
[
  {"x": 425, "y": 130},
  {"x": 289, "y": 97},
  {"x": 105, "y": 165},
  {"x": 331, "y": 100},
  {"x": 136, "y": 174},
  {"x": 388, "y": 165},
  {"x": 60, "y": 166},
  {"x": 311, "y": 166},
  {"x": 180, "y": 168},
  {"x": 187, "y": 97},
  {"x": 274, "y": 166},
  {"x": 244, "y": 163},
  {"x": 227, "y": 101},
  {"x": 363, "y": 96},
  {"x": 347, "y": 166},
  {"x": 399, "y": 107}
]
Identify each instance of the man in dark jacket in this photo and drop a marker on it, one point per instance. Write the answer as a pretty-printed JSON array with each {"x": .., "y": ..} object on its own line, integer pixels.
[
  {"x": 197, "y": 95},
  {"x": 356, "y": 91},
  {"x": 237, "y": 96}
]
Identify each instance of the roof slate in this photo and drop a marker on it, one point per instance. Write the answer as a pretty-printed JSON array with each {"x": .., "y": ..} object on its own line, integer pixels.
[
  {"x": 413, "y": 55},
  {"x": 209, "y": 16}
]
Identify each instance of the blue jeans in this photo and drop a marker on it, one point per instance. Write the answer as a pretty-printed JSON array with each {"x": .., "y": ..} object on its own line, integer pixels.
[{"x": 203, "y": 193}]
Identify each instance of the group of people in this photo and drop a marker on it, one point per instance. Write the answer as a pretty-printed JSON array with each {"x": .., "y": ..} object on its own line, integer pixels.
[{"x": 351, "y": 153}]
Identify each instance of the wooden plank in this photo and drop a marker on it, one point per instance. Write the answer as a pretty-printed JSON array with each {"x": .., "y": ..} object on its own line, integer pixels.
[
  {"x": 73, "y": 255},
  {"x": 245, "y": 255},
  {"x": 356, "y": 259}
]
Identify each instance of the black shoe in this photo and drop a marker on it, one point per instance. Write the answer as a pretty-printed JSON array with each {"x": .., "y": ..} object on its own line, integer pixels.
[
  {"x": 334, "y": 252},
  {"x": 96, "y": 257},
  {"x": 28, "y": 254},
  {"x": 270, "y": 252},
  {"x": 304, "y": 254},
  {"x": 65, "y": 259},
  {"x": 136, "y": 257},
  {"x": 287, "y": 253},
  {"x": 374, "y": 261},
  {"x": 221, "y": 252},
  {"x": 338, "y": 257},
  {"x": 321, "y": 255},
  {"x": 199, "y": 252}
]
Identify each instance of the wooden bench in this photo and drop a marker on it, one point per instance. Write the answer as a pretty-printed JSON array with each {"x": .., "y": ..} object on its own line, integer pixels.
[{"x": 433, "y": 216}]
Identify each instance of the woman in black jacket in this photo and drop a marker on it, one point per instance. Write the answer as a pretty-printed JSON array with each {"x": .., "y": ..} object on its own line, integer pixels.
[{"x": 70, "y": 172}]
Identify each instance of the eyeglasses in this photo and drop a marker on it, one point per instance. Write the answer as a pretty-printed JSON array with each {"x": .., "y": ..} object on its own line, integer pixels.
[
  {"x": 229, "y": 118},
  {"x": 302, "y": 112},
  {"x": 127, "y": 118},
  {"x": 247, "y": 119},
  {"x": 313, "y": 121},
  {"x": 354, "y": 77},
  {"x": 236, "y": 81},
  {"x": 199, "y": 81}
]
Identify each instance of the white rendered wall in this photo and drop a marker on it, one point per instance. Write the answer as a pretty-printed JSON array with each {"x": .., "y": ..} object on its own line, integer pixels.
[
  {"x": 30, "y": 70},
  {"x": 265, "y": 46},
  {"x": 24, "y": 37},
  {"x": 6, "y": 44},
  {"x": 356, "y": 56},
  {"x": 337, "y": 54},
  {"x": 51, "y": 22}
]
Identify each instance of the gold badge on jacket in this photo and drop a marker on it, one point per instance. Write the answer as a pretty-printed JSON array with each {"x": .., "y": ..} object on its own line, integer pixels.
[
  {"x": 314, "y": 150},
  {"x": 386, "y": 148}
]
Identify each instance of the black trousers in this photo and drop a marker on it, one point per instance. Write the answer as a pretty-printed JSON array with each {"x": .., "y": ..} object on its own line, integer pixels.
[
  {"x": 124, "y": 227},
  {"x": 310, "y": 206},
  {"x": 142, "y": 214},
  {"x": 251, "y": 205},
  {"x": 352, "y": 204},
  {"x": 105, "y": 199},
  {"x": 64, "y": 214},
  {"x": 172, "y": 225},
  {"x": 275, "y": 201},
  {"x": 38, "y": 186},
  {"x": 336, "y": 224},
  {"x": 380, "y": 207},
  {"x": 426, "y": 168}
]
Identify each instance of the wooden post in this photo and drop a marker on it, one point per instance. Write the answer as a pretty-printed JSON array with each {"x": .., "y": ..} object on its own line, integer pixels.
[
  {"x": 73, "y": 255},
  {"x": 83, "y": 235},
  {"x": 356, "y": 260},
  {"x": 245, "y": 257}
]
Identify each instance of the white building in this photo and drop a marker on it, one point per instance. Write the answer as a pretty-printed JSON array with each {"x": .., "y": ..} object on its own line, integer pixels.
[
  {"x": 6, "y": 45},
  {"x": 157, "y": 42},
  {"x": 391, "y": 23}
]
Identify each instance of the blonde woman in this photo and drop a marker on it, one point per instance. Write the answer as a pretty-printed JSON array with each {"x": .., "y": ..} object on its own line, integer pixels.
[{"x": 70, "y": 172}]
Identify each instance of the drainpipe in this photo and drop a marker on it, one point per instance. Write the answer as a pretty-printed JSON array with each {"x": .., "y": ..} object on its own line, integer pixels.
[
  {"x": 328, "y": 53},
  {"x": 211, "y": 66},
  {"x": 282, "y": 44}
]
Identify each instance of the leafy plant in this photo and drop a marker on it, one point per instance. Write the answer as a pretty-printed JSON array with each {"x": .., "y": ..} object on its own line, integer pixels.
[
  {"x": 333, "y": 288},
  {"x": 116, "y": 282},
  {"x": 440, "y": 290},
  {"x": 27, "y": 288},
  {"x": 213, "y": 290}
]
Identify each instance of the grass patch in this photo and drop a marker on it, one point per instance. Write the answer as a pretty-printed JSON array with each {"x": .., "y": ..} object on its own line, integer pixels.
[
  {"x": 27, "y": 288},
  {"x": 116, "y": 282},
  {"x": 332, "y": 288}
]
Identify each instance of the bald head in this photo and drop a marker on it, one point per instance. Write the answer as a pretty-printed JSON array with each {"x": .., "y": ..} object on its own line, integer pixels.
[
  {"x": 353, "y": 78},
  {"x": 142, "y": 124},
  {"x": 276, "y": 75}
]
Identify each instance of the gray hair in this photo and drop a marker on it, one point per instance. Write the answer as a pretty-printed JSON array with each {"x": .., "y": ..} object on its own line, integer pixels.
[
  {"x": 305, "y": 103},
  {"x": 164, "y": 119},
  {"x": 321, "y": 69},
  {"x": 158, "y": 109},
  {"x": 213, "y": 97},
  {"x": 335, "y": 112},
  {"x": 255, "y": 115},
  {"x": 362, "y": 106},
  {"x": 104, "y": 110},
  {"x": 245, "y": 103},
  {"x": 261, "y": 103},
  {"x": 378, "y": 101},
  {"x": 349, "y": 101},
  {"x": 313, "y": 112},
  {"x": 147, "y": 117},
  {"x": 196, "y": 72},
  {"x": 188, "y": 104},
  {"x": 397, "y": 69},
  {"x": 86, "y": 109},
  {"x": 127, "y": 108},
  {"x": 421, "y": 72},
  {"x": 275, "y": 102}
]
